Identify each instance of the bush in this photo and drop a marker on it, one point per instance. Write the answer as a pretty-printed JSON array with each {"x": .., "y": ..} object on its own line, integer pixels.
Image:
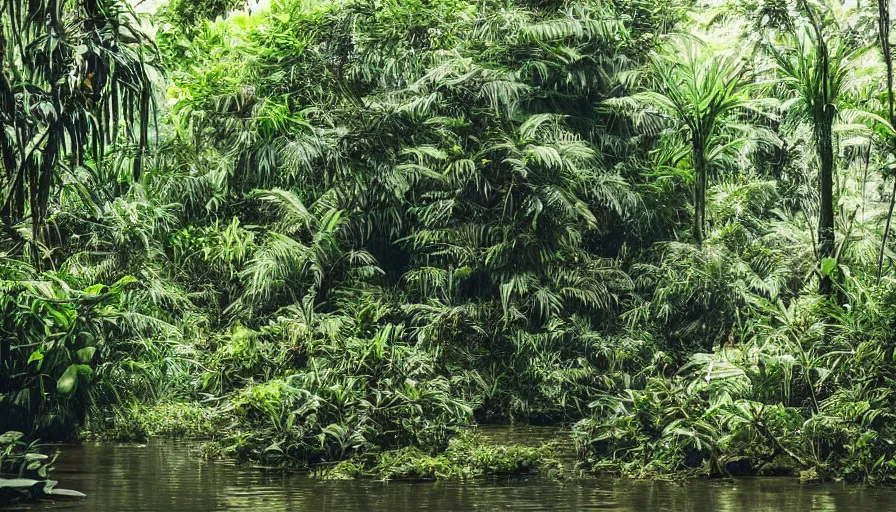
[
  {"x": 342, "y": 386},
  {"x": 467, "y": 456}
]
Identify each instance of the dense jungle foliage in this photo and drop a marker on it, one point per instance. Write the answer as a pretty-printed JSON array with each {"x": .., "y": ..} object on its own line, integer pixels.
[{"x": 349, "y": 230}]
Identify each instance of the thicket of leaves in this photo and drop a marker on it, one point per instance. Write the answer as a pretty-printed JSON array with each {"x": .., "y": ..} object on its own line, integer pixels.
[
  {"x": 447, "y": 162},
  {"x": 364, "y": 225}
]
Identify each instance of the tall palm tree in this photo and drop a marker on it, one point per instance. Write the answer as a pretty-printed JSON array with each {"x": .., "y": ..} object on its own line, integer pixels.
[
  {"x": 815, "y": 65},
  {"x": 699, "y": 90}
]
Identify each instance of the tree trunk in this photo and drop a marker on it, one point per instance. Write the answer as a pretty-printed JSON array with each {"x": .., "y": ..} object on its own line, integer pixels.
[
  {"x": 883, "y": 242},
  {"x": 883, "y": 24},
  {"x": 826, "y": 242},
  {"x": 699, "y": 191}
]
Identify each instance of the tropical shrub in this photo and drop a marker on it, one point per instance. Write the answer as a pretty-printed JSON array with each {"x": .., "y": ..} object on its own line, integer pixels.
[{"x": 51, "y": 338}]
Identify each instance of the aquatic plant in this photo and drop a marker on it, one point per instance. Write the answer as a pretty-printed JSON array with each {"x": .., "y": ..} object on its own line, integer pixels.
[
  {"x": 24, "y": 471},
  {"x": 468, "y": 456}
]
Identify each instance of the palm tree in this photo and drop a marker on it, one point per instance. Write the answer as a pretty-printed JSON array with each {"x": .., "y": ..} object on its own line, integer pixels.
[
  {"x": 815, "y": 67},
  {"x": 699, "y": 90}
]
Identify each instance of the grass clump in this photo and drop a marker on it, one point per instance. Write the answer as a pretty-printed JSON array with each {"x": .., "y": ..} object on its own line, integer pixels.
[
  {"x": 135, "y": 421},
  {"x": 468, "y": 456}
]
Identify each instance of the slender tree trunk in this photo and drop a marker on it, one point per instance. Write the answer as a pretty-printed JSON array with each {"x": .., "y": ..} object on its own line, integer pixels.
[
  {"x": 883, "y": 19},
  {"x": 12, "y": 202},
  {"x": 5, "y": 366},
  {"x": 826, "y": 242},
  {"x": 699, "y": 191},
  {"x": 823, "y": 116},
  {"x": 9, "y": 179}
]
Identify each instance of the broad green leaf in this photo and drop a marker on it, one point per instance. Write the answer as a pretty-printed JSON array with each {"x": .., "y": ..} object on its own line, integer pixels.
[
  {"x": 18, "y": 483},
  {"x": 37, "y": 355},
  {"x": 11, "y": 437},
  {"x": 69, "y": 380},
  {"x": 96, "y": 289},
  {"x": 122, "y": 283},
  {"x": 828, "y": 265},
  {"x": 85, "y": 355}
]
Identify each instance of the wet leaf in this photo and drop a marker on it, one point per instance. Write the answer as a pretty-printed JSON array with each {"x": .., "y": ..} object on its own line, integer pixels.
[{"x": 11, "y": 437}]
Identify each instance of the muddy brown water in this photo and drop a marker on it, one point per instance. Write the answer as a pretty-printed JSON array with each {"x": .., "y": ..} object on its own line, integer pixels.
[{"x": 167, "y": 476}]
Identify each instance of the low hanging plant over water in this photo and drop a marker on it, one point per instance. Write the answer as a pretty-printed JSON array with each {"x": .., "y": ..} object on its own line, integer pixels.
[{"x": 24, "y": 471}]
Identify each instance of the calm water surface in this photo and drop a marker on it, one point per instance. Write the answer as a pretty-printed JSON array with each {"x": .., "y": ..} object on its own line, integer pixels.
[{"x": 169, "y": 477}]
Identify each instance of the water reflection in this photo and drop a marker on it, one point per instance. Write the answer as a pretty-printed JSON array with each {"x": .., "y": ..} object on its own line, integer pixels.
[{"x": 165, "y": 476}]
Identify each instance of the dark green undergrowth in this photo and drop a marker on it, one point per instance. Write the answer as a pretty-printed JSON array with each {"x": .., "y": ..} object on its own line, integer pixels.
[
  {"x": 797, "y": 397},
  {"x": 135, "y": 421}
]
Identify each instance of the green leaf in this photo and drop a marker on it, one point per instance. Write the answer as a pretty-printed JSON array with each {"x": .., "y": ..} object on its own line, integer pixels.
[
  {"x": 63, "y": 318},
  {"x": 85, "y": 355},
  {"x": 18, "y": 483},
  {"x": 66, "y": 492},
  {"x": 11, "y": 437},
  {"x": 37, "y": 355},
  {"x": 122, "y": 283},
  {"x": 96, "y": 289},
  {"x": 828, "y": 265},
  {"x": 67, "y": 384}
]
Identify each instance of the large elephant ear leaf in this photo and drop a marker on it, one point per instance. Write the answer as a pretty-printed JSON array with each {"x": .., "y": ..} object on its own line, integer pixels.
[{"x": 68, "y": 383}]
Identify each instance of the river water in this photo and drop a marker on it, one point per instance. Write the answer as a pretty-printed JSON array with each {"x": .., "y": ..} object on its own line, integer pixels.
[{"x": 166, "y": 476}]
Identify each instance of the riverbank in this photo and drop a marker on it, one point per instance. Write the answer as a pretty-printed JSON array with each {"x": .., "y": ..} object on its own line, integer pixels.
[{"x": 164, "y": 475}]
